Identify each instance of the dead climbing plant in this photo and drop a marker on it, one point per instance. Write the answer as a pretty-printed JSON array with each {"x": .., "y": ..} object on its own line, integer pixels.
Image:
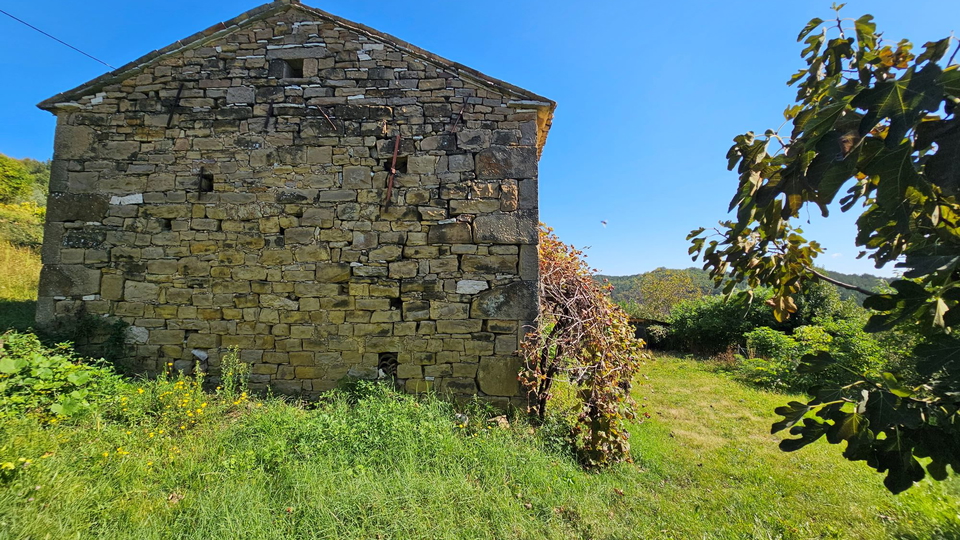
[{"x": 583, "y": 338}]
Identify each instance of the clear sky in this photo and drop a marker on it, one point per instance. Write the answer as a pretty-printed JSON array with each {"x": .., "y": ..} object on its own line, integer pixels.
[{"x": 650, "y": 93}]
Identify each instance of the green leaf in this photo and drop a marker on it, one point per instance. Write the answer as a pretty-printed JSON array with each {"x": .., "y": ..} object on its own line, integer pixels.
[
  {"x": 79, "y": 378},
  {"x": 866, "y": 32},
  {"x": 903, "y": 101},
  {"x": 937, "y": 354},
  {"x": 934, "y": 50},
  {"x": 896, "y": 387},
  {"x": 810, "y": 27},
  {"x": 809, "y": 432},
  {"x": 792, "y": 412},
  {"x": 896, "y": 170},
  {"x": 951, "y": 80},
  {"x": 815, "y": 363},
  {"x": 884, "y": 410},
  {"x": 846, "y": 426},
  {"x": 903, "y": 469},
  {"x": 10, "y": 365}
]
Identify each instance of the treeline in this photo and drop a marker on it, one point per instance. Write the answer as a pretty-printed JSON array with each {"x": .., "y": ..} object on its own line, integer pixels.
[
  {"x": 653, "y": 294},
  {"x": 24, "y": 185},
  {"x": 24, "y": 180},
  {"x": 687, "y": 314}
]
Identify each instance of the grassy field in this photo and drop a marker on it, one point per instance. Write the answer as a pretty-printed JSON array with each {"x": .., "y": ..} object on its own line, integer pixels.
[
  {"x": 161, "y": 459},
  {"x": 383, "y": 465},
  {"x": 19, "y": 276}
]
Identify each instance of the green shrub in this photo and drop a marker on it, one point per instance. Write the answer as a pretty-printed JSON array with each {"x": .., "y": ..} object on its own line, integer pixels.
[
  {"x": 21, "y": 224},
  {"x": 48, "y": 382},
  {"x": 657, "y": 334},
  {"x": 714, "y": 324}
]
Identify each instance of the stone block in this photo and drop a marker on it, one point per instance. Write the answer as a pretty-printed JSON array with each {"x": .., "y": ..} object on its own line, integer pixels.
[
  {"x": 458, "y": 386},
  {"x": 498, "y": 162},
  {"x": 469, "y": 286},
  {"x": 449, "y": 310},
  {"x": 460, "y": 163},
  {"x": 473, "y": 139},
  {"x": 241, "y": 94},
  {"x": 422, "y": 164},
  {"x": 140, "y": 291},
  {"x": 517, "y": 301},
  {"x": 506, "y": 228},
  {"x": 489, "y": 264},
  {"x": 73, "y": 142},
  {"x": 465, "y": 326},
  {"x": 357, "y": 178},
  {"x": 119, "y": 150},
  {"x": 497, "y": 376},
  {"x": 333, "y": 272},
  {"x": 84, "y": 207},
  {"x": 450, "y": 233},
  {"x": 111, "y": 287},
  {"x": 166, "y": 337},
  {"x": 68, "y": 280}
]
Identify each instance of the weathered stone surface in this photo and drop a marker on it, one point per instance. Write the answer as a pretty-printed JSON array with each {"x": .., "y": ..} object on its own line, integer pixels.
[
  {"x": 498, "y": 375},
  {"x": 68, "y": 280},
  {"x": 256, "y": 216},
  {"x": 333, "y": 272},
  {"x": 470, "y": 286},
  {"x": 77, "y": 207},
  {"x": 506, "y": 228},
  {"x": 139, "y": 291},
  {"x": 507, "y": 162},
  {"x": 517, "y": 301},
  {"x": 357, "y": 178},
  {"x": 422, "y": 164},
  {"x": 73, "y": 142},
  {"x": 451, "y": 233},
  {"x": 241, "y": 94},
  {"x": 489, "y": 264}
]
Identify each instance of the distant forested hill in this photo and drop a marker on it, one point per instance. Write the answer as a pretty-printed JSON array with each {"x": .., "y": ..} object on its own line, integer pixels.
[
  {"x": 651, "y": 294},
  {"x": 864, "y": 281}
]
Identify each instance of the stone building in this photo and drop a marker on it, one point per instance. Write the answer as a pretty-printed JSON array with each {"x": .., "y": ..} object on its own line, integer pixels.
[{"x": 235, "y": 190}]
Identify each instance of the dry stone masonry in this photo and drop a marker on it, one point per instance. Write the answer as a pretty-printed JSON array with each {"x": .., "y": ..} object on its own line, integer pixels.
[{"x": 232, "y": 191}]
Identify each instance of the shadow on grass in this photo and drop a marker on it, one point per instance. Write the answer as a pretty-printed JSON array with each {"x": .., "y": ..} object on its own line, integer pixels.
[{"x": 17, "y": 314}]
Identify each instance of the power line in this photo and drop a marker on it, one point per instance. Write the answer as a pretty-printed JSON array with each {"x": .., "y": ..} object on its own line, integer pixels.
[{"x": 56, "y": 39}]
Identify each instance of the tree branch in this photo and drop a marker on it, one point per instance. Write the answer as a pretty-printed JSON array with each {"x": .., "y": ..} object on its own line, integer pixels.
[{"x": 828, "y": 279}]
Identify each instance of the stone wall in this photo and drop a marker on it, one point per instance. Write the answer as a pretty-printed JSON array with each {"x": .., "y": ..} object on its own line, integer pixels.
[{"x": 232, "y": 194}]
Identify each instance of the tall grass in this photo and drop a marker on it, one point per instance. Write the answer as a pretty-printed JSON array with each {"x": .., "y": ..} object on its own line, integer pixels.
[
  {"x": 19, "y": 272},
  {"x": 377, "y": 464},
  {"x": 19, "y": 278}
]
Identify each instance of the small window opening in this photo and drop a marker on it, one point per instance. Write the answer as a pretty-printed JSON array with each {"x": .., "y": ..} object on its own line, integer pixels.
[
  {"x": 290, "y": 68},
  {"x": 387, "y": 366},
  {"x": 206, "y": 181},
  {"x": 401, "y": 164},
  {"x": 294, "y": 69},
  {"x": 396, "y": 303},
  {"x": 166, "y": 224}
]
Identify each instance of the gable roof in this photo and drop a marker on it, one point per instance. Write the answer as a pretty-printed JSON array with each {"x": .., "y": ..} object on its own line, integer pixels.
[{"x": 522, "y": 98}]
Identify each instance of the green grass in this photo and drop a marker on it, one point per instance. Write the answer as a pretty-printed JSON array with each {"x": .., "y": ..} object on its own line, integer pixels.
[
  {"x": 19, "y": 277},
  {"x": 392, "y": 466}
]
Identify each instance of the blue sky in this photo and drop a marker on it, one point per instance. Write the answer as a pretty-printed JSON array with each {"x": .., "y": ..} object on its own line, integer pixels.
[{"x": 650, "y": 93}]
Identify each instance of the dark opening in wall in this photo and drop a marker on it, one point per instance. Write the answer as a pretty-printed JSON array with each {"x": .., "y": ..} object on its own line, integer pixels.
[
  {"x": 387, "y": 366},
  {"x": 401, "y": 164},
  {"x": 291, "y": 68},
  {"x": 206, "y": 182}
]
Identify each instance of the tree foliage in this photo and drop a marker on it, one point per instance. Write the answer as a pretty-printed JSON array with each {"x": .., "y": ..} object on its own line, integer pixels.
[
  {"x": 583, "y": 338},
  {"x": 653, "y": 294},
  {"x": 878, "y": 119},
  {"x": 23, "y": 180}
]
